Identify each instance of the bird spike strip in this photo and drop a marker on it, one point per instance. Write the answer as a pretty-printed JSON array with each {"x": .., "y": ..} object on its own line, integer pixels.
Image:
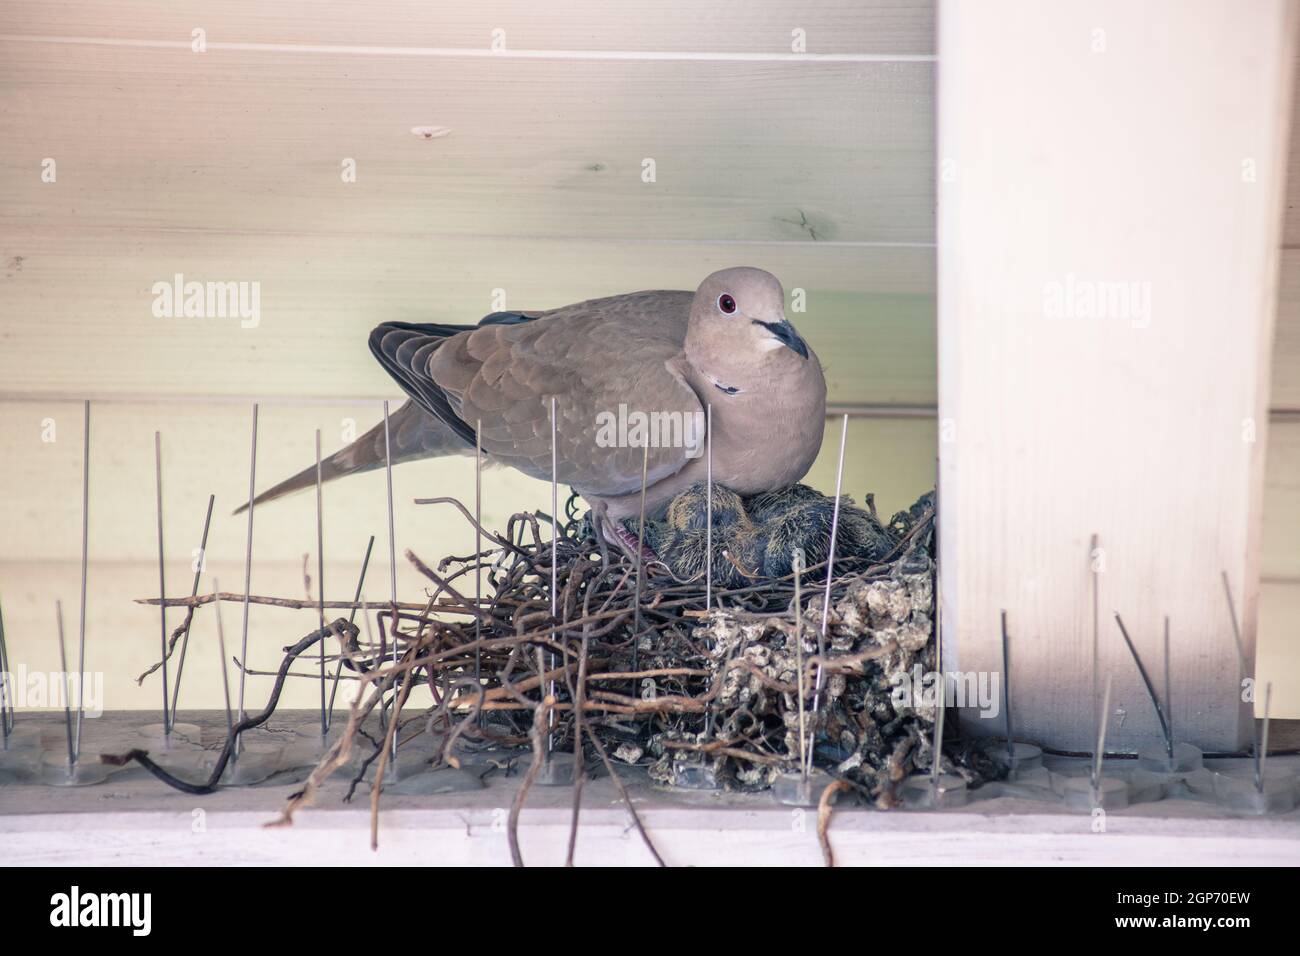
[{"x": 599, "y": 702}]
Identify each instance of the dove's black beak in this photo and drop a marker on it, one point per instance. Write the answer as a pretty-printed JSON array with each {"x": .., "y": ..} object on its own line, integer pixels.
[{"x": 784, "y": 333}]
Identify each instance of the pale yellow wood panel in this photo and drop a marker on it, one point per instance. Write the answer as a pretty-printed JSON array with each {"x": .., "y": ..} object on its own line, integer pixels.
[
  {"x": 764, "y": 26},
  {"x": 206, "y": 451},
  {"x": 1281, "y": 540},
  {"x": 256, "y": 141},
  {"x": 76, "y": 313},
  {"x": 1277, "y": 656},
  {"x": 1286, "y": 336}
]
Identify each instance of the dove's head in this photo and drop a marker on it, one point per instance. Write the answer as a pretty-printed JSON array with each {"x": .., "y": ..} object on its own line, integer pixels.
[{"x": 738, "y": 326}]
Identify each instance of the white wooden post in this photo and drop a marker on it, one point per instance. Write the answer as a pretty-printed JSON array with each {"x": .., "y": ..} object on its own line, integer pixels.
[{"x": 1111, "y": 189}]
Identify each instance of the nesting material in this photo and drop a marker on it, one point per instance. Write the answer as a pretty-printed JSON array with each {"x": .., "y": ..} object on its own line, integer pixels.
[
  {"x": 641, "y": 675},
  {"x": 875, "y": 719}
]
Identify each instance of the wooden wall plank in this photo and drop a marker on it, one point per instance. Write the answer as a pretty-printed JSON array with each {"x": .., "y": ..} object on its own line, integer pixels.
[
  {"x": 1068, "y": 421},
  {"x": 831, "y": 26},
  {"x": 77, "y": 316},
  {"x": 255, "y": 141}
]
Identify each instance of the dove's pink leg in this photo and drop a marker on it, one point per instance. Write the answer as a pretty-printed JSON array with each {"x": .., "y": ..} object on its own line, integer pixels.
[{"x": 614, "y": 531}]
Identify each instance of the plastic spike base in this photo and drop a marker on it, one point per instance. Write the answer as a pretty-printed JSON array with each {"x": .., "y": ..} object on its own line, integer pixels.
[
  {"x": 794, "y": 789},
  {"x": 57, "y": 772},
  {"x": 421, "y": 780},
  {"x": 1185, "y": 759},
  {"x": 182, "y": 737},
  {"x": 308, "y": 748},
  {"x": 258, "y": 761},
  {"x": 1147, "y": 787},
  {"x": 1239, "y": 794},
  {"x": 1023, "y": 758},
  {"x": 22, "y": 741},
  {"x": 1111, "y": 793},
  {"x": 556, "y": 770},
  {"x": 920, "y": 792},
  {"x": 694, "y": 774},
  {"x": 22, "y": 758}
]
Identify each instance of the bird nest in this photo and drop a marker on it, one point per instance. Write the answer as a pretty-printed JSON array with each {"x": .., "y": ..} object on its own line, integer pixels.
[{"x": 634, "y": 668}]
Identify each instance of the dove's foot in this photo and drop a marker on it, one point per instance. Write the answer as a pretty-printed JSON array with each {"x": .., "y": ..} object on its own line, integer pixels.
[{"x": 614, "y": 531}]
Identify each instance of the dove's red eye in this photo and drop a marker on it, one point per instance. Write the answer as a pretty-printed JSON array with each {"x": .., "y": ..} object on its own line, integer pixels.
[{"x": 726, "y": 303}]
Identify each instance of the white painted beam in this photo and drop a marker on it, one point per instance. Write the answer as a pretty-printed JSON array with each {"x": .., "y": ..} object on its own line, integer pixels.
[{"x": 1111, "y": 192}]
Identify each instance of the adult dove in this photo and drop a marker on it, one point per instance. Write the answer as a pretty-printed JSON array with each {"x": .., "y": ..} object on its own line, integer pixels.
[{"x": 623, "y": 370}]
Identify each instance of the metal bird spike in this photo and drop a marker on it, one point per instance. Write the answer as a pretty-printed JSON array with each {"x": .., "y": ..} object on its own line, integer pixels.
[
  {"x": 478, "y": 549},
  {"x": 1169, "y": 696},
  {"x": 1096, "y": 621},
  {"x": 352, "y": 616},
  {"x": 940, "y": 708},
  {"x": 248, "y": 573},
  {"x": 85, "y": 551},
  {"x": 1242, "y": 664},
  {"x": 194, "y": 591},
  {"x": 67, "y": 694},
  {"x": 392, "y": 561},
  {"x": 320, "y": 589},
  {"x": 1006, "y": 688},
  {"x": 1100, "y": 753},
  {"x": 796, "y": 565},
  {"x": 555, "y": 565},
  {"x": 1146, "y": 680},
  {"x": 1261, "y": 750},
  {"x": 162, "y": 586},
  {"x": 830, "y": 558},
  {"x": 221, "y": 649},
  {"x": 640, "y": 550},
  {"x": 6, "y": 688},
  {"x": 708, "y": 511}
]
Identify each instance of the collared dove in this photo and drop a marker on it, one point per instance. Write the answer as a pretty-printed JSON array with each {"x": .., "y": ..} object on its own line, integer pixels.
[{"x": 656, "y": 358}]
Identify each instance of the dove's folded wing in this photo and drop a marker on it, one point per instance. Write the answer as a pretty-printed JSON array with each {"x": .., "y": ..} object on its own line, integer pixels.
[{"x": 605, "y": 362}]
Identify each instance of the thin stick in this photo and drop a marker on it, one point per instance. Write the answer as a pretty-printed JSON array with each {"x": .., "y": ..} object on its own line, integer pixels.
[
  {"x": 392, "y": 558},
  {"x": 1006, "y": 687},
  {"x": 830, "y": 559},
  {"x": 85, "y": 551},
  {"x": 162, "y": 586},
  {"x": 225, "y": 676},
  {"x": 67, "y": 694},
  {"x": 361, "y": 580},
  {"x": 1261, "y": 752},
  {"x": 1151, "y": 690},
  {"x": 1100, "y": 753},
  {"x": 320, "y": 588},
  {"x": 194, "y": 591},
  {"x": 248, "y": 573}
]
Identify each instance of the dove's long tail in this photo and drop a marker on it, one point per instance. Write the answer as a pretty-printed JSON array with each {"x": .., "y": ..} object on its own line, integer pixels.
[{"x": 413, "y": 433}]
